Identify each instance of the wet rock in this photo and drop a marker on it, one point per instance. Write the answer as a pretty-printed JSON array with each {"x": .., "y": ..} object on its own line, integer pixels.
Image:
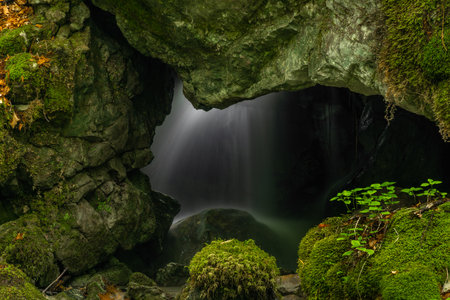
[
  {"x": 188, "y": 236},
  {"x": 141, "y": 287},
  {"x": 172, "y": 274},
  {"x": 288, "y": 284},
  {"x": 84, "y": 144}
]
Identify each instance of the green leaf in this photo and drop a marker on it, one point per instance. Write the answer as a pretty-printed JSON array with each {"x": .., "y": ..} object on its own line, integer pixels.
[
  {"x": 425, "y": 184},
  {"x": 348, "y": 253},
  {"x": 355, "y": 243},
  {"x": 346, "y": 193}
]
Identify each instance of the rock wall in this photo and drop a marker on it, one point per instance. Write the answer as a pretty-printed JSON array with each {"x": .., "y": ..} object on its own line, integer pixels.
[
  {"x": 239, "y": 50},
  {"x": 71, "y": 164}
]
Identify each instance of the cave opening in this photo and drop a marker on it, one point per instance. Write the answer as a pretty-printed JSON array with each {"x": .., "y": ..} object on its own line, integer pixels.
[{"x": 283, "y": 155}]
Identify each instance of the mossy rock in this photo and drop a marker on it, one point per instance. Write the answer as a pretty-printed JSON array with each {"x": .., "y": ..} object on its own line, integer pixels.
[
  {"x": 14, "y": 285},
  {"x": 25, "y": 77},
  {"x": 415, "y": 58},
  {"x": 436, "y": 59},
  {"x": 14, "y": 40},
  {"x": 232, "y": 270},
  {"x": 23, "y": 244},
  {"x": 142, "y": 287},
  {"x": 413, "y": 282},
  {"x": 410, "y": 264}
]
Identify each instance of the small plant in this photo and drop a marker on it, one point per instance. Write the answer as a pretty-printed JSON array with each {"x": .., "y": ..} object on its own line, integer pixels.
[
  {"x": 105, "y": 205},
  {"x": 432, "y": 192},
  {"x": 233, "y": 270},
  {"x": 374, "y": 204},
  {"x": 372, "y": 200}
]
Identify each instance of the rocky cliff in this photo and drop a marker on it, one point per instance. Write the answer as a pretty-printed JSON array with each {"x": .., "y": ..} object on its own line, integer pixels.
[
  {"x": 76, "y": 126},
  {"x": 233, "y": 50}
]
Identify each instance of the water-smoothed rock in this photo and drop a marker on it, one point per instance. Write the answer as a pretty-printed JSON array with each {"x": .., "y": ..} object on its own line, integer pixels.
[{"x": 188, "y": 236}]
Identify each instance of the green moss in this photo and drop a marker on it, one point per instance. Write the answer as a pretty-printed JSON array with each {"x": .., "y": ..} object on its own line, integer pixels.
[
  {"x": 10, "y": 150},
  {"x": 233, "y": 270},
  {"x": 436, "y": 59},
  {"x": 415, "y": 282},
  {"x": 319, "y": 271},
  {"x": 31, "y": 252},
  {"x": 13, "y": 41},
  {"x": 414, "y": 59},
  {"x": 15, "y": 285},
  {"x": 441, "y": 106},
  {"x": 57, "y": 102},
  {"x": 412, "y": 246}
]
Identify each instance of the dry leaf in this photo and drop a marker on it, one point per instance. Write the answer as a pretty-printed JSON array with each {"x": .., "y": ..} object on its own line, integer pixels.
[
  {"x": 14, "y": 120},
  {"x": 323, "y": 225},
  {"x": 394, "y": 272},
  {"x": 19, "y": 236}
]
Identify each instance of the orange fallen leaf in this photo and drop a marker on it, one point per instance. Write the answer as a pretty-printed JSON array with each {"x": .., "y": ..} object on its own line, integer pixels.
[
  {"x": 19, "y": 236},
  {"x": 14, "y": 120},
  {"x": 323, "y": 225},
  {"x": 38, "y": 25}
]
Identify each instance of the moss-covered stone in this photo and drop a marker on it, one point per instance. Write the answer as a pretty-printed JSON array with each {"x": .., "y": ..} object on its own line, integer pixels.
[
  {"x": 14, "y": 285},
  {"x": 233, "y": 270},
  {"x": 14, "y": 41},
  {"x": 414, "y": 57},
  {"x": 414, "y": 282},
  {"x": 23, "y": 244},
  {"x": 410, "y": 264},
  {"x": 26, "y": 79}
]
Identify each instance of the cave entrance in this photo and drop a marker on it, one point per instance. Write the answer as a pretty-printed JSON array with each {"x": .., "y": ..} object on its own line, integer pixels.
[{"x": 283, "y": 155}]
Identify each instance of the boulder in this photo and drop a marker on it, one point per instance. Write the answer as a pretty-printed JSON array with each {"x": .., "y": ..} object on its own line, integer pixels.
[{"x": 188, "y": 236}]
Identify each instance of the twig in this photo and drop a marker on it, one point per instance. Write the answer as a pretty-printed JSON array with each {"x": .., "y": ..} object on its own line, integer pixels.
[
  {"x": 56, "y": 280},
  {"x": 357, "y": 282},
  {"x": 431, "y": 205},
  {"x": 446, "y": 280},
  {"x": 398, "y": 236}
]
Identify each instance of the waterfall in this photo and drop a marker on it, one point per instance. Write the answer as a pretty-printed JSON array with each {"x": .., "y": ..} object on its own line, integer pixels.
[{"x": 216, "y": 158}]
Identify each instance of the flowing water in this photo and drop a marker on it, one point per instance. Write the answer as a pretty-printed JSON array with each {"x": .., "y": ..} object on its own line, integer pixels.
[{"x": 282, "y": 156}]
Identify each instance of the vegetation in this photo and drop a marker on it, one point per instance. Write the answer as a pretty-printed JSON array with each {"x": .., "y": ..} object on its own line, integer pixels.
[
  {"x": 233, "y": 270},
  {"x": 379, "y": 251},
  {"x": 415, "y": 59},
  {"x": 14, "y": 284}
]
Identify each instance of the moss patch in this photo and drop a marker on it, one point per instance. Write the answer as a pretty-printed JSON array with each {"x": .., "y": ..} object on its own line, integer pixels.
[
  {"x": 14, "y": 284},
  {"x": 415, "y": 58},
  {"x": 410, "y": 264},
  {"x": 23, "y": 244},
  {"x": 233, "y": 270}
]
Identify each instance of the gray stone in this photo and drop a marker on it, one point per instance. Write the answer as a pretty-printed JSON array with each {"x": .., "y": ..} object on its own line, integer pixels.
[
  {"x": 78, "y": 15},
  {"x": 172, "y": 274},
  {"x": 288, "y": 284},
  {"x": 226, "y": 52},
  {"x": 188, "y": 236},
  {"x": 141, "y": 287}
]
